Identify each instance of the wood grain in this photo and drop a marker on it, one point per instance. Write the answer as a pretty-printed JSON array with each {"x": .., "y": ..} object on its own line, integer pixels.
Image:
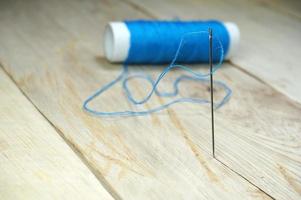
[
  {"x": 258, "y": 132},
  {"x": 35, "y": 162},
  {"x": 52, "y": 52},
  {"x": 258, "y": 136},
  {"x": 289, "y": 7},
  {"x": 269, "y": 46}
]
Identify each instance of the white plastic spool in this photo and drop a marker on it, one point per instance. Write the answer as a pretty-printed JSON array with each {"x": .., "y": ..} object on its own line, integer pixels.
[{"x": 117, "y": 41}]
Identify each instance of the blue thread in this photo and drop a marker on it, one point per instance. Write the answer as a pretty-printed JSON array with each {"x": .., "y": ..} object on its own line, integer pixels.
[
  {"x": 179, "y": 55},
  {"x": 155, "y": 42}
]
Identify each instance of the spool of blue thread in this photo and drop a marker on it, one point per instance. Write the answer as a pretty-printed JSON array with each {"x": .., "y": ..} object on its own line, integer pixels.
[{"x": 155, "y": 42}]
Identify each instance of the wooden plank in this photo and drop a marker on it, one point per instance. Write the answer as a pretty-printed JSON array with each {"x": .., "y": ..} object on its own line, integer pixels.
[
  {"x": 289, "y": 7},
  {"x": 58, "y": 62},
  {"x": 258, "y": 136},
  {"x": 35, "y": 162},
  {"x": 258, "y": 132},
  {"x": 269, "y": 38}
]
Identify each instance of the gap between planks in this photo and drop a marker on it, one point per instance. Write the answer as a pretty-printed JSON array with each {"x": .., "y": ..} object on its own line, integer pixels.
[
  {"x": 243, "y": 70},
  {"x": 151, "y": 15},
  {"x": 275, "y": 6},
  {"x": 244, "y": 178},
  {"x": 273, "y": 87},
  {"x": 96, "y": 174}
]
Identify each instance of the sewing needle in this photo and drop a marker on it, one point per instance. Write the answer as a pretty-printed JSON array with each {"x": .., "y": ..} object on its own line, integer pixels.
[{"x": 211, "y": 91}]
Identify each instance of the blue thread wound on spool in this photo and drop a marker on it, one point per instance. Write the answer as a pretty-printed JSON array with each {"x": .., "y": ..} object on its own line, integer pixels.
[
  {"x": 145, "y": 49},
  {"x": 156, "y": 42}
]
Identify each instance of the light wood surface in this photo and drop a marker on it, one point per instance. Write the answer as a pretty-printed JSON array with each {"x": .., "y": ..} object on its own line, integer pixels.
[
  {"x": 258, "y": 132},
  {"x": 35, "y": 162},
  {"x": 54, "y": 53},
  {"x": 289, "y": 7},
  {"x": 151, "y": 157},
  {"x": 270, "y": 36}
]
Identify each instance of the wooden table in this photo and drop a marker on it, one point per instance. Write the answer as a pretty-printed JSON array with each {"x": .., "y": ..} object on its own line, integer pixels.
[{"x": 52, "y": 58}]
